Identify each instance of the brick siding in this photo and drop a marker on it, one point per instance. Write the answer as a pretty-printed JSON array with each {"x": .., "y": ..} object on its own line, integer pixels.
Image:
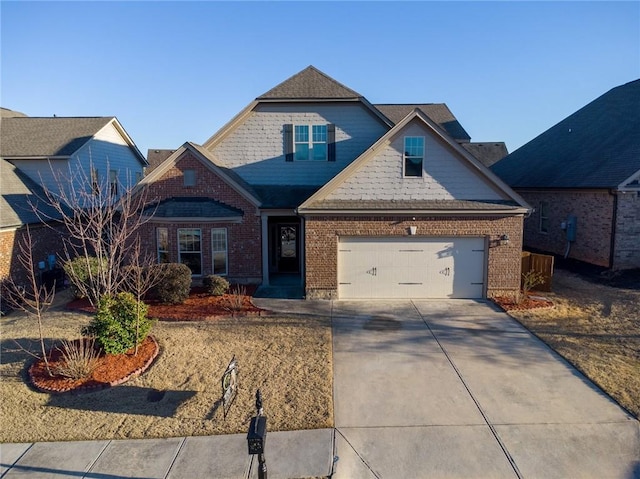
[
  {"x": 627, "y": 245},
  {"x": 243, "y": 239},
  {"x": 322, "y": 234}
]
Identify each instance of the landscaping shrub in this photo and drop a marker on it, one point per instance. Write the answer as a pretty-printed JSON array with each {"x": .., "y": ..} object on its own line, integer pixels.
[
  {"x": 80, "y": 270},
  {"x": 119, "y": 322},
  {"x": 79, "y": 358},
  {"x": 215, "y": 285},
  {"x": 175, "y": 285}
]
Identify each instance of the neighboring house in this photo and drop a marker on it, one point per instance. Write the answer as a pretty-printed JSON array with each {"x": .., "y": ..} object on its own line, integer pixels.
[
  {"x": 582, "y": 176},
  {"x": 51, "y": 150},
  {"x": 20, "y": 197},
  {"x": 355, "y": 200},
  {"x": 38, "y": 154}
]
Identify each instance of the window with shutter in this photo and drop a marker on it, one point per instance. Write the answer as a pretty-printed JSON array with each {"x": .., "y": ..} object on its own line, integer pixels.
[{"x": 309, "y": 142}]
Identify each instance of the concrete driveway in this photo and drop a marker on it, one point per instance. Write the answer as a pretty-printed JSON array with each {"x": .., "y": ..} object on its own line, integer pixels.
[{"x": 458, "y": 389}]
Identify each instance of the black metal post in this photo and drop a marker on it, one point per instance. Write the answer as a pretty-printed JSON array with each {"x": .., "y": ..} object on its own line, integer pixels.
[{"x": 262, "y": 463}]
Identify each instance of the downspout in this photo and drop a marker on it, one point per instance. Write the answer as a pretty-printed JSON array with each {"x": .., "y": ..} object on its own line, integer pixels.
[{"x": 614, "y": 220}]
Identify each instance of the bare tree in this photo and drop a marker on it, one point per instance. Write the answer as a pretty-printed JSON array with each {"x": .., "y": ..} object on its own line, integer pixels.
[
  {"x": 33, "y": 298},
  {"x": 102, "y": 219}
]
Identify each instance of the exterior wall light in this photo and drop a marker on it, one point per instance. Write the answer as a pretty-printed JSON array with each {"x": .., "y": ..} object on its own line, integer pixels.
[
  {"x": 413, "y": 230},
  {"x": 504, "y": 240}
]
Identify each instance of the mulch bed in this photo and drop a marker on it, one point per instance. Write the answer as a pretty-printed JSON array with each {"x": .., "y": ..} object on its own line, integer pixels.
[
  {"x": 530, "y": 302},
  {"x": 113, "y": 369},
  {"x": 198, "y": 307}
]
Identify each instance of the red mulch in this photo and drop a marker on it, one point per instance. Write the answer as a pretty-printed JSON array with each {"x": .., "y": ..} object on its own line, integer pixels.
[
  {"x": 530, "y": 302},
  {"x": 113, "y": 369},
  {"x": 198, "y": 307}
]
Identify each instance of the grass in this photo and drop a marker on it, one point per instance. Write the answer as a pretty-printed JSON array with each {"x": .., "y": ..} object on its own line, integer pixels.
[
  {"x": 596, "y": 327},
  {"x": 288, "y": 357}
]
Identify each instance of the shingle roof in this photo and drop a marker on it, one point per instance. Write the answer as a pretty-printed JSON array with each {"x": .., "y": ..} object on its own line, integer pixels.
[
  {"x": 155, "y": 157},
  {"x": 31, "y": 137},
  {"x": 488, "y": 153},
  {"x": 283, "y": 196},
  {"x": 6, "y": 113},
  {"x": 310, "y": 84},
  {"x": 438, "y": 112},
  {"x": 192, "y": 207},
  {"x": 17, "y": 195},
  {"x": 432, "y": 205},
  {"x": 596, "y": 147}
]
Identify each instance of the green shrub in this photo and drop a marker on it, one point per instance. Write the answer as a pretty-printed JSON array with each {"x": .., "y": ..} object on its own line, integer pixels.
[
  {"x": 120, "y": 323},
  {"x": 80, "y": 270},
  {"x": 175, "y": 285},
  {"x": 215, "y": 285}
]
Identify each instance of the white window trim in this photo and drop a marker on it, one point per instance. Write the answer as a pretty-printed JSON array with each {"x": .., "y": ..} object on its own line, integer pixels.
[
  {"x": 404, "y": 157},
  {"x": 310, "y": 143},
  {"x": 226, "y": 252},
  {"x": 190, "y": 252},
  {"x": 158, "y": 250}
]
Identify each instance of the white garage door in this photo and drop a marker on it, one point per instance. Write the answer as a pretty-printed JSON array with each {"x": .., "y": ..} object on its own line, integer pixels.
[{"x": 411, "y": 267}]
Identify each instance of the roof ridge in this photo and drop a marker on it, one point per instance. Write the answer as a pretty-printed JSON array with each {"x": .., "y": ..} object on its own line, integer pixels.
[{"x": 299, "y": 86}]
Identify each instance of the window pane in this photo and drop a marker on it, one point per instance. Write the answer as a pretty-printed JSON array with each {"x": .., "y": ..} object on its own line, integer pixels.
[
  {"x": 219, "y": 250},
  {"x": 302, "y": 151},
  {"x": 413, "y": 167},
  {"x": 220, "y": 263},
  {"x": 319, "y": 133},
  {"x": 302, "y": 133},
  {"x": 189, "y": 249},
  {"x": 319, "y": 152},
  {"x": 189, "y": 177},
  {"x": 193, "y": 261}
]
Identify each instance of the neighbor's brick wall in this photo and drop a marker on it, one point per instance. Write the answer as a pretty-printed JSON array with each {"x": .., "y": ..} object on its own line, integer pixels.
[
  {"x": 594, "y": 211},
  {"x": 45, "y": 241},
  {"x": 322, "y": 233},
  {"x": 627, "y": 246},
  {"x": 243, "y": 239}
]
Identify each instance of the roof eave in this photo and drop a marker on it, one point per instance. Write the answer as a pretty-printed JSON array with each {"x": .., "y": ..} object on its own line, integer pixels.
[{"x": 412, "y": 212}]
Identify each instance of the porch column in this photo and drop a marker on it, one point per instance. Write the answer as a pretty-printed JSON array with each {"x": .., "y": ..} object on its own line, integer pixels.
[{"x": 265, "y": 248}]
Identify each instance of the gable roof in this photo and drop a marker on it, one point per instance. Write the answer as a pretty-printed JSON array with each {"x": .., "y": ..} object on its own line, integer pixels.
[
  {"x": 226, "y": 174},
  {"x": 53, "y": 137},
  {"x": 310, "y": 84},
  {"x": 598, "y": 146},
  {"x": 18, "y": 193},
  {"x": 438, "y": 112},
  {"x": 513, "y": 202}
]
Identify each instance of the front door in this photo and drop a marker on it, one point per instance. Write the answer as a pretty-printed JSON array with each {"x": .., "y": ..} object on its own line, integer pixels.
[{"x": 288, "y": 250}]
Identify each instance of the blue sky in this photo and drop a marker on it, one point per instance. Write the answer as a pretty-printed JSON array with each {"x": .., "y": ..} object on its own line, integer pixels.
[{"x": 177, "y": 71}]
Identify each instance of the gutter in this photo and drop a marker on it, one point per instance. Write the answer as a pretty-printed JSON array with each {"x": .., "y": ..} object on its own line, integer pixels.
[{"x": 413, "y": 212}]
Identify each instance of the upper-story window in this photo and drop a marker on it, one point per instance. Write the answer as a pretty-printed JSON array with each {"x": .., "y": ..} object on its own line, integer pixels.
[
  {"x": 413, "y": 156},
  {"x": 189, "y": 177},
  {"x": 310, "y": 142},
  {"x": 113, "y": 182}
]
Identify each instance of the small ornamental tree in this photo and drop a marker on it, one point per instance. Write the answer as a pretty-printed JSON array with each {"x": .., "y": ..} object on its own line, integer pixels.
[{"x": 120, "y": 323}]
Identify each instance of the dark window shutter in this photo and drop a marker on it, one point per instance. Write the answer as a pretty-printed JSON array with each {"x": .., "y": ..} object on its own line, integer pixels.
[
  {"x": 331, "y": 142},
  {"x": 288, "y": 142}
]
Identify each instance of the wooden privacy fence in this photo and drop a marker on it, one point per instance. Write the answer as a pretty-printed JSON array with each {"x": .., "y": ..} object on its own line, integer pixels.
[{"x": 542, "y": 263}]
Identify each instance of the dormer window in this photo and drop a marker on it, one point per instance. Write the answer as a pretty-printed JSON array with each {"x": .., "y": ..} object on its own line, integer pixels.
[
  {"x": 310, "y": 142},
  {"x": 413, "y": 156}
]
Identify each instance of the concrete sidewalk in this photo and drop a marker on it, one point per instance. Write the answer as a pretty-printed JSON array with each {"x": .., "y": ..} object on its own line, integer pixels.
[{"x": 293, "y": 454}]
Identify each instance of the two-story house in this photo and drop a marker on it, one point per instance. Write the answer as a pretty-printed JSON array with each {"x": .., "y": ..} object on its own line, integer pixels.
[
  {"x": 354, "y": 200},
  {"x": 54, "y": 154}
]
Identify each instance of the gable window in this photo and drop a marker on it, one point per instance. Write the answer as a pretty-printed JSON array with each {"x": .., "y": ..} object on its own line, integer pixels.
[
  {"x": 190, "y": 249},
  {"x": 219, "y": 250},
  {"x": 544, "y": 217},
  {"x": 189, "y": 177},
  {"x": 162, "y": 244},
  {"x": 413, "y": 156},
  {"x": 113, "y": 182},
  {"x": 310, "y": 142}
]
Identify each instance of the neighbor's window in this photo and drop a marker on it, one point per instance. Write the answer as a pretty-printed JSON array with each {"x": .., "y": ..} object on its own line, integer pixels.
[
  {"x": 162, "y": 244},
  {"x": 413, "y": 156},
  {"x": 189, "y": 177},
  {"x": 190, "y": 249},
  {"x": 310, "y": 142},
  {"x": 95, "y": 181},
  {"x": 219, "y": 250},
  {"x": 544, "y": 217},
  {"x": 113, "y": 182}
]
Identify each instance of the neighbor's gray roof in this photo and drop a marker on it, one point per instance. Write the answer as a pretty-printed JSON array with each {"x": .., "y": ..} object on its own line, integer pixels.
[
  {"x": 6, "y": 113},
  {"x": 310, "y": 84},
  {"x": 192, "y": 207},
  {"x": 437, "y": 112},
  {"x": 155, "y": 157},
  {"x": 283, "y": 196},
  {"x": 30, "y": 137},
  {"x": 17, "y": 195},
  {"x": 434, "y": 205},
  {"x": 596, "y": 147},
  {"x": 487, "y": 153}
]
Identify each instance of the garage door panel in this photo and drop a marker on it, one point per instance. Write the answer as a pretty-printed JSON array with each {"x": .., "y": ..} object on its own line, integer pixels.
[{"x": 411, "y": 268}]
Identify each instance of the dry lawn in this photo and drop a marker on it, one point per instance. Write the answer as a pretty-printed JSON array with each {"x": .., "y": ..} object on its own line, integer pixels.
[
  {"x": 596, "y": 328},
  {"x": 287, "y": 357}
]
